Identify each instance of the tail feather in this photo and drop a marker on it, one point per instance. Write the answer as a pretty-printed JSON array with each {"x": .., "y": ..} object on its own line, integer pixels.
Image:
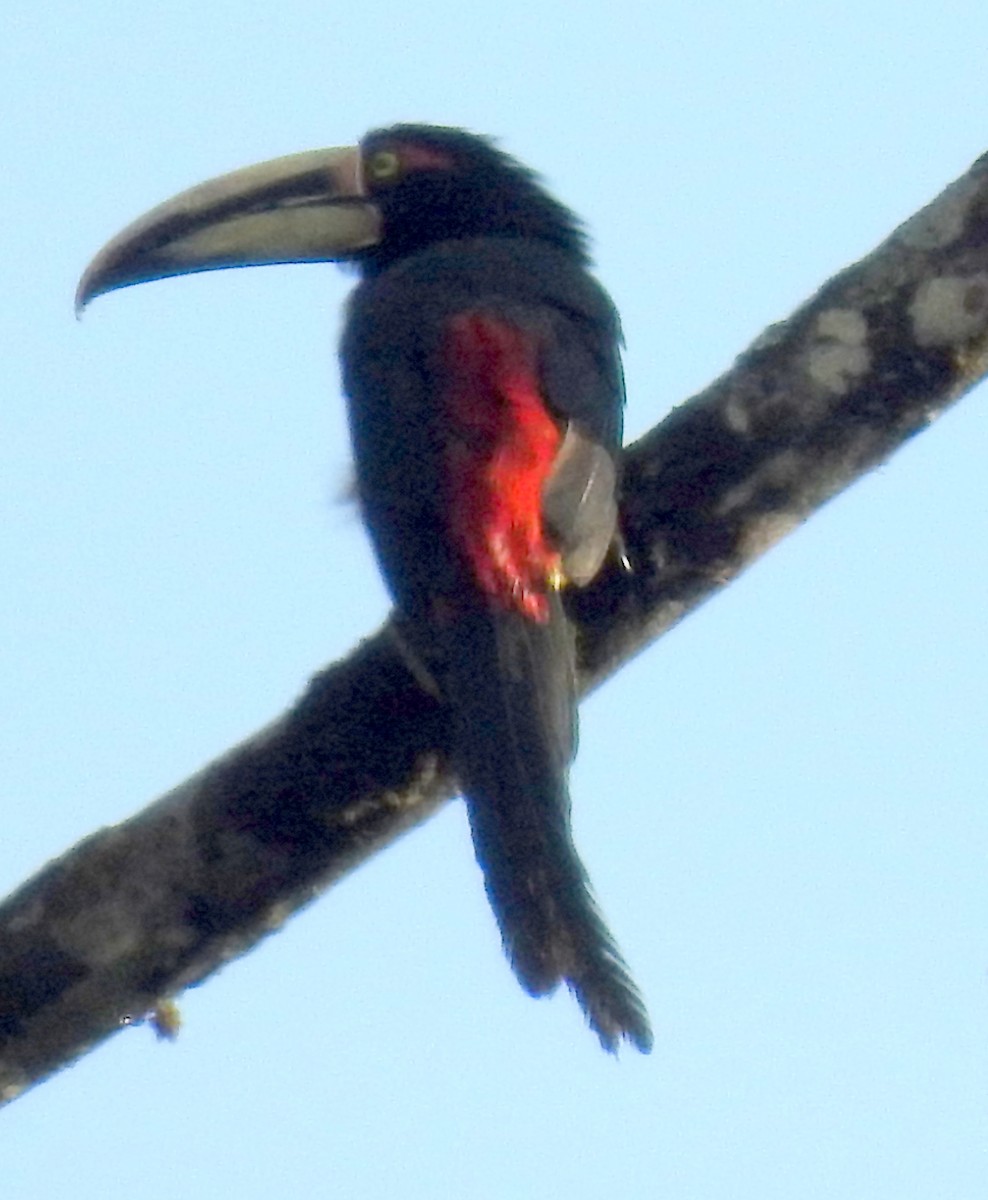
[{"x": 510, "y": 683}]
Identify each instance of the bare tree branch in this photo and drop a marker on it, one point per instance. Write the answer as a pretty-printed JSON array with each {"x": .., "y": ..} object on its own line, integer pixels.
[{"x": 137, "y": 912}]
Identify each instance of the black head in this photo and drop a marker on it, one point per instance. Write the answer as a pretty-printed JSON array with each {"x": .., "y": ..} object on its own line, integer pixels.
[
  {"x": 401, "y": 190},
  {"x": 434, "y": 184}
]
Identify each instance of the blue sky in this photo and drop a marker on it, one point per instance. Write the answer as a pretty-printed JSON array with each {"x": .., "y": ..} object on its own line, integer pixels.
[{"x": 781, "y": 804}]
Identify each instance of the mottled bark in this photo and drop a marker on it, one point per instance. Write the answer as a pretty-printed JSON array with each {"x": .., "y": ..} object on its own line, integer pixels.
[{"x": 135, "y": 913}]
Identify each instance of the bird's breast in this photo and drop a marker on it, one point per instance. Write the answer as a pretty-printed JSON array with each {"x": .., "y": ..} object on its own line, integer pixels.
[{"x": 499, "y": 444}]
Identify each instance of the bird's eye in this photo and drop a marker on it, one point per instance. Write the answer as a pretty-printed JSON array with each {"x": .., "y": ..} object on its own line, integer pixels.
[{"x": 383, "y": 166}]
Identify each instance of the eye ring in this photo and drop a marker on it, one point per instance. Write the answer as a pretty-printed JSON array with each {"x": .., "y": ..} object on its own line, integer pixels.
[{"x": 383, "y": 166}]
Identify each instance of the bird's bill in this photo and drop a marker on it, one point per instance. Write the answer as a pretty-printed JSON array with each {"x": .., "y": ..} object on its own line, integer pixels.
[{"x": 309, "y": 207}]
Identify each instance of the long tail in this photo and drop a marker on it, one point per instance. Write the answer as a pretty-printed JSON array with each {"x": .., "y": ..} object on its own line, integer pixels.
[{"x": 510, "y": 683}]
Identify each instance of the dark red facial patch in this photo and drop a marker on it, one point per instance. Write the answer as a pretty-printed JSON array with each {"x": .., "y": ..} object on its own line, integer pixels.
[
  {"x": 500, "y": 447},
  {"x": 418, "y": 157}
]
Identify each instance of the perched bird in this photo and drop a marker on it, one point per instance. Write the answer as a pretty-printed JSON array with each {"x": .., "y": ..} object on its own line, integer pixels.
[{"x": 481, "y": 364}]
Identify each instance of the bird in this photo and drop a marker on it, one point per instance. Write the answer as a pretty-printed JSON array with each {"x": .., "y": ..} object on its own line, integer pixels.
[{"x": 481, "y": 363}]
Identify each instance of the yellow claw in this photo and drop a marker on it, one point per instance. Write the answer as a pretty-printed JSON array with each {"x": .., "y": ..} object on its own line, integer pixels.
[
  {"x": 166, "y": 1020},
  {"x": 556, "y": 578}
]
